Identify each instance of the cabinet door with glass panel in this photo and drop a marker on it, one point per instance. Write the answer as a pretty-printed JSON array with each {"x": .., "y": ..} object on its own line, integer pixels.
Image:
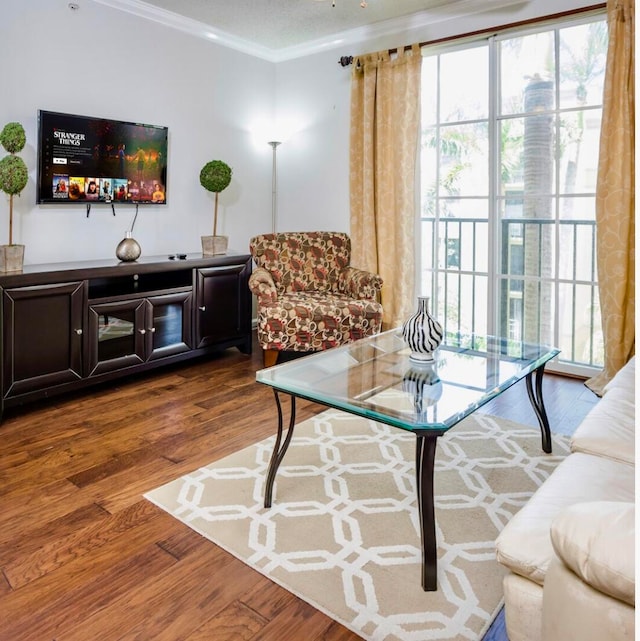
[{"x": 130, "y": 332}]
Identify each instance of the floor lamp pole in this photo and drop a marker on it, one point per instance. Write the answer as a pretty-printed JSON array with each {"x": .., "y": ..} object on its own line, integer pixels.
[{"x": 274, "y": 186}]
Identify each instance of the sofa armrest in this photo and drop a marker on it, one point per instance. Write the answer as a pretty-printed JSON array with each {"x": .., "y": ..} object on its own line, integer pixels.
[
  {"x": 261, "y": 284},
  {"x": 359, "y": 284},
  {"x": 596, "y": 541}
]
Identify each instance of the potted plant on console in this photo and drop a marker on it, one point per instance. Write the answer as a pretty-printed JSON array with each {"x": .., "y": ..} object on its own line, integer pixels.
[
  {"x": 13, "y": 179},
  {"x": 215, "y": 176}
]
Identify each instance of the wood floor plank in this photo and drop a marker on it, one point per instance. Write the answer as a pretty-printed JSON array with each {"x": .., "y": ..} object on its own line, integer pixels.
[
  {"x": 114, "y": 464},
  {"x": 156, "y": 610},
  {"x": 5, "y": 588},
  {"x": 297, "y": 615},
  {"x": 84, "y": 556},
  {"x": 122, "y": 490},
  {"x": 73, "y": 605},
  {"x": 66, "y": 460},
  {"x": 31, "y": 537},
  {"x": 80, "y": 574},
  {"x": 337, "y": 632},
  {"x": 268, "y": 599},
  {"x": 82, "y": 541},
  {"x": 183, "y": 542},
  {"x": 236, "y": 622},
  {"x": 31, "y": 501}
]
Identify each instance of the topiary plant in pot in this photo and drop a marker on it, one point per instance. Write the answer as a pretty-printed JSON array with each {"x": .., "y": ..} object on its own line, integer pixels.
[
  {"x": 13, "y": 179},
  {"x": 215, "y": 176}
]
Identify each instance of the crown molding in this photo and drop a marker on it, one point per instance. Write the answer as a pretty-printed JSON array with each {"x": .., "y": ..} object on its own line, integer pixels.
[
  {"x": 428, "y": 17},
  {"x": 404, "y": 24},
  {"x": 190, "y": 26}
]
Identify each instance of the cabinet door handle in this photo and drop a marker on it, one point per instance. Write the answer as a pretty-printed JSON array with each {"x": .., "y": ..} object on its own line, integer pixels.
[
  {"x": 202, "y": 308},
  {"x": 142, "y": 331},
  {"x": 78, "y": 332},
  {"x": 152, "y": 330}
]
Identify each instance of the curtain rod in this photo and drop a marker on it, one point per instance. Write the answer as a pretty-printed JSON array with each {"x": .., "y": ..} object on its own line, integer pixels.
[{"x": 345, "y": 61}]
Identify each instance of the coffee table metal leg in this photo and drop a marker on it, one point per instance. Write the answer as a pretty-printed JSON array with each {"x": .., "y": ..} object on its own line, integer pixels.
[
  {"x": 534, "y": 389},
  {"x": 425, "y": 456},
  {"x": 279, "y": 452}
]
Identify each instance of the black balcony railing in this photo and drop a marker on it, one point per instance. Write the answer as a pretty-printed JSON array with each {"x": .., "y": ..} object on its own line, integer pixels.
[{"x": 541, "y": 287}]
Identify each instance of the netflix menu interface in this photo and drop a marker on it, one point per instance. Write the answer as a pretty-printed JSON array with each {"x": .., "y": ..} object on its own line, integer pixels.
[{"x": 85, "y": 159}]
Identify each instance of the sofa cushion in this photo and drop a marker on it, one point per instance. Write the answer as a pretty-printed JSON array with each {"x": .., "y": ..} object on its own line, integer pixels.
[
  {"x": 596, "y": 541},
  {"x": 524, "y": 545},
  {"x": 624, "y": 379},
  {"x": 609, "y": 428}
]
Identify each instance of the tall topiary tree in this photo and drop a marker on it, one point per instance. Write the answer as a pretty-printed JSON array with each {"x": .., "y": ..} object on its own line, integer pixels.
[
  {"x": 215, "y": 176},
  {"x": 13, "y": 170}
]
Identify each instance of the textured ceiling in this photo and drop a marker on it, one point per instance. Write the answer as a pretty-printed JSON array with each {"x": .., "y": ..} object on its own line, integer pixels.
[
  {"x": 283, "y": 29},
  {"x": 277, "y": 24}
]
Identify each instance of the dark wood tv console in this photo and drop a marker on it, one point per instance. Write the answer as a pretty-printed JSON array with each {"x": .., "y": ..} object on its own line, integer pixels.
[{"x": 71, "y": 325}]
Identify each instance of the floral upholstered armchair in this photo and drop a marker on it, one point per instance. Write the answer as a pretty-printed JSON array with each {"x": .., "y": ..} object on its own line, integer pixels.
[{"x": 309, "y": 297}]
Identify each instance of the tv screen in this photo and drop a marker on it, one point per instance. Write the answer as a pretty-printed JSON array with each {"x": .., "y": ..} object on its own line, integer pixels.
[{"x": 83, "y": 160}]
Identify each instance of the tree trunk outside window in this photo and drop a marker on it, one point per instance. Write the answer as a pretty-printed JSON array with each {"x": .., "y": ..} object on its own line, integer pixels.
[{"x": 538, "y": 184}]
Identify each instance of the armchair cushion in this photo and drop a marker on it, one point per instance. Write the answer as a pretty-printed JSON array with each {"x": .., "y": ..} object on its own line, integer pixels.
[
  {"x": 312, "y": 321},
  {"x": 309, "y": 296}
]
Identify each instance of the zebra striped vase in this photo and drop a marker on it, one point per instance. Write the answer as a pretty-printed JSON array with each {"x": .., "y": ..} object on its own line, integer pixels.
[{"x": 422, "y": 333}]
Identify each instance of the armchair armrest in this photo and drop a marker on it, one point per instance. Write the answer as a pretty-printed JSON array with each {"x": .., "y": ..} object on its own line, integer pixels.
[
  {"x": 359, "y": 283},
  {"x": 261, "y": 284},
  {"x": 596, "y": 541}
]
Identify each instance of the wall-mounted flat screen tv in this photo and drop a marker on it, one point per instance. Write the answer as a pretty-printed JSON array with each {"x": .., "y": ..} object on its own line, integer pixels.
[{"x": 83, "y": 160}]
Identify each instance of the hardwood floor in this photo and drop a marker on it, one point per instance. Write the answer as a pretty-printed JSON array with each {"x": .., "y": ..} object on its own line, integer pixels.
[{"x": 84, "y": 556}]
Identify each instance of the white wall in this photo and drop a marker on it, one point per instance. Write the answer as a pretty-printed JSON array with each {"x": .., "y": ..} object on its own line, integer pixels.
[
  {"x": 99, "y": 61},
  {"x": 103, "y": 62}
]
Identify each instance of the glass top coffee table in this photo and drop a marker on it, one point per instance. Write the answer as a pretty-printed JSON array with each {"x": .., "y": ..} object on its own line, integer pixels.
[{"x": 375, "y": 378}]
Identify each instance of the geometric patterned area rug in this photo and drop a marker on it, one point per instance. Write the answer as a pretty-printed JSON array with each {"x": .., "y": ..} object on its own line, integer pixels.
[{"x": 343, "y": 534}]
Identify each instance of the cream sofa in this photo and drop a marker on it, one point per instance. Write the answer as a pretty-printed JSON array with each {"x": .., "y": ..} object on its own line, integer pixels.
[{"x": 570, "y": 550}]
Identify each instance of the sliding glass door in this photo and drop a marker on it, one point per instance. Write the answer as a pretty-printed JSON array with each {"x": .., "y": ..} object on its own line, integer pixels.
[{"x": 509, "y": 158}]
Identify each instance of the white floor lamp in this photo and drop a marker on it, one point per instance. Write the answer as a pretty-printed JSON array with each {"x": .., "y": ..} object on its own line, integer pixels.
[{"x": 274, "y": 186}]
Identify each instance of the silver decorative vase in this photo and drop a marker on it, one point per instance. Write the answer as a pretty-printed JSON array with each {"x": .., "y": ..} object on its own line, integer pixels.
[
  {"x": 422, "y": 333},
  {"x": 128, "y": 249}
]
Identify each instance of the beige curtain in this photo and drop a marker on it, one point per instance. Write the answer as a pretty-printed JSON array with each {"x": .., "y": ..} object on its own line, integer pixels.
[
  {"x": 615, "y": 196},
  {"x": 385, "y": 127}
]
